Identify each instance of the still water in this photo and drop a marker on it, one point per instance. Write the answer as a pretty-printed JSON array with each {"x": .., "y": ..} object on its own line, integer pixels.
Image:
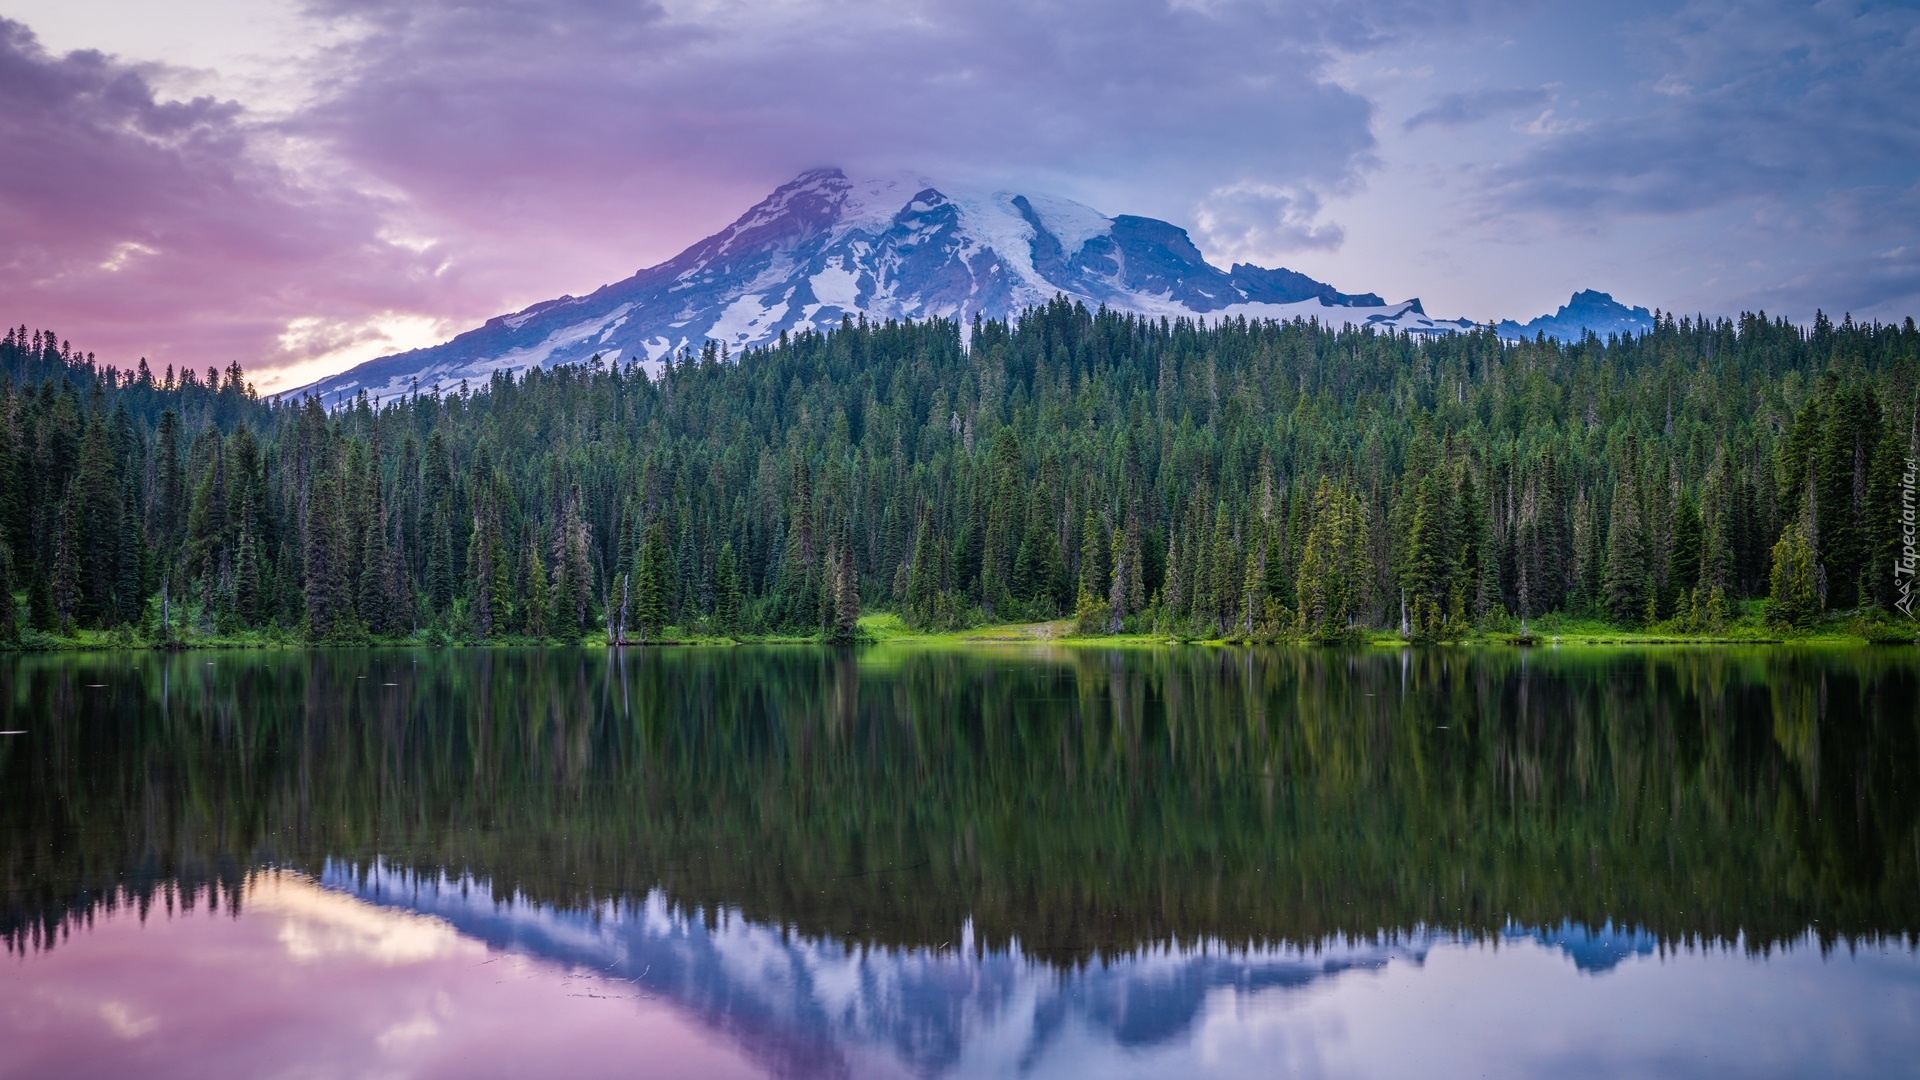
[{"x": 902, "y": 861}]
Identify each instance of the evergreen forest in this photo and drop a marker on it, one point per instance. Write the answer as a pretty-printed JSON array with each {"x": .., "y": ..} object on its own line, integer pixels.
[{"x": 1226, "y": 479}]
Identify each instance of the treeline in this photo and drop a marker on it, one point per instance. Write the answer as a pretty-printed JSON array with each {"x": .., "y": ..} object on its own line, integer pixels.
[{"x": 1240, "y": 479}]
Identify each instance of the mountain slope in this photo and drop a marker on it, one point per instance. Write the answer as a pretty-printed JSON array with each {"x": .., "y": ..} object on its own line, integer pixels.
[{"x": 824, "y": 247}]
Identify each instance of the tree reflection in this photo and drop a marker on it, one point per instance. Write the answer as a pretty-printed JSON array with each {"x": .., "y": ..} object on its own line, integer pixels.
[{"x": 1078, "y": 801}]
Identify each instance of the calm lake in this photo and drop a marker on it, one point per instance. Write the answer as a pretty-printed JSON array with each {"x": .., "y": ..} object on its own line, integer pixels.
[{"x": 907, "y": 861}]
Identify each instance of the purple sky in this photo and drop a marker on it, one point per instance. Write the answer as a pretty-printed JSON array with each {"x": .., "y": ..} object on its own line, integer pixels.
[{"x": 300, "y": 186}]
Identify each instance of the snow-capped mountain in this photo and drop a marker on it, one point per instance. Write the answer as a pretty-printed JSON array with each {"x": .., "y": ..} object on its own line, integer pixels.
[{"x": 825, "y": 247}]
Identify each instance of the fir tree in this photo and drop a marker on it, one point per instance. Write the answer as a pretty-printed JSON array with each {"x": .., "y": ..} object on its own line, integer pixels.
[
  {"x": 924, "y": 584},
  {"x": 797, "y": 596},
  {"x": 1683, "y": 559},
  {"x": 66, "y": 588},
  {"x": 9, "y": 616},
  {"x": 1793, "y": 601},
  {"x": 1254, "y": 598},
  {"x": 1627, "y": 580},
  {"x": 246, "y": 578},
  {"x": 1334, "y": 571},
  {"x": 726, "y": 591},
  {"x": 1005, "y": 528},
  {"x": 844, "y": 585},
  {"x": 1123, "y": 578},
  {"x": 41, "y": 612},
  {"x": 1091, "y": 607},
  {"x": 1226, "y": 574},
  {"x": 1039, "y": 571},
  {"x": 650, "y": 584},
  {"x": 440, "y": 576},
  {"x": 329, "y": 605},
  {"x": 538, "y": 602}
]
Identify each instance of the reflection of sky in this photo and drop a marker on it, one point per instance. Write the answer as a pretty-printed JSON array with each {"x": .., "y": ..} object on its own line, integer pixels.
[
  {"x": 385, "y": 974},
  {"x": 310, "y": 982}
]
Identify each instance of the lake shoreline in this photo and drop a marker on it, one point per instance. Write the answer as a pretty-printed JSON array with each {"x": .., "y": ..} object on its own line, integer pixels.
[{"x": 888, "y": 629}]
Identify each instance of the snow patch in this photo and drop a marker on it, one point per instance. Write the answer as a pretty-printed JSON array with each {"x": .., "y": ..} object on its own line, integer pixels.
[
  {"x": 747, "y": 321},
  {"x": 837, "y": 286}
]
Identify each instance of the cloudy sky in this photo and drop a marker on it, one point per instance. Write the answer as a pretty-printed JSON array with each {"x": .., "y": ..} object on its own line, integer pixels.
[{"x": 303, "y": 184}]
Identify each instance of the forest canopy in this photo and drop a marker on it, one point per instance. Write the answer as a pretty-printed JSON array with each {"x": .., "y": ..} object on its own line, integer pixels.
[{"x": 1231, "y": 478}]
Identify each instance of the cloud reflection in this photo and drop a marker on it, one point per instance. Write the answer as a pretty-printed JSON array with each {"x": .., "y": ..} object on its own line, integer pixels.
[{"x": 320, "y": 923}]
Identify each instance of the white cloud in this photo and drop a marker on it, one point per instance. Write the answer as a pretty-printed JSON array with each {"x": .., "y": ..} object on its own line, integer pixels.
[{"x": 1261, "y": 223}]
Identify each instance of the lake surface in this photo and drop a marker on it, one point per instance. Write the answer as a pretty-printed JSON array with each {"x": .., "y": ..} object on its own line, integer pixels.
[{"x": 903, "y": 861}]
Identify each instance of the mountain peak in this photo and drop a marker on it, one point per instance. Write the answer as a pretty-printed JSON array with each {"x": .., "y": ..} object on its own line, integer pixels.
[
  {"x": 1587, "y": 311},
  {"x": 825, "y": 246}
]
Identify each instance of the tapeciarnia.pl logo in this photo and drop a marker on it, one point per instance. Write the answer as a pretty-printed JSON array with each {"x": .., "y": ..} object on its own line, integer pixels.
[{"x": 1904, "y": 566}]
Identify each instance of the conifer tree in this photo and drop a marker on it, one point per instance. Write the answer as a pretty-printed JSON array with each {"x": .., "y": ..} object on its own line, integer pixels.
[
  {"x": 41, "y": 612},
  {"x": 1005, "y": 527},
  {"x": 440, "y": 576},
  {"x": 1091, "y": 607},
  {"x": 1626, "y": 578},
  {"x": 13, "y": 481},
  {"x": 372, "y": 601},
  {"x": 1039, "y": 571},
  {"x": 1254, "y": 598},
  {"x": 845, "y": 622},
  {"x": 9, "y": 615},
  {"x": 482, "y": 594},
  {"x": 1793, "y": 601},
  {"x": 1843, "y": 461},
  {"x": 329, "y": 605},
  {"x": 797, "y": 594},
  {"x": 1174, "y": 590},
  {"x": 93, "y": 497},
  {"x": 924, "y": 585},
  {"x": 1219, "y": 566},
  {"x": 963, "y": 560},
  {"x": 572, "y": 589},
  {"x": 66, "y": 587},
  {"x": 1123, "y": 578},
  {"x": 1334, "y": 577},
  {"x": 537, "y": 622},
  {"x": 1683, "y": 559},
  {"x": 726, "y": 591},
  {"x": 167, "y": 513},
  {"x": 650, "y": 584},
  {"x": 246, "y": 578},
  {"x": 1470, "y": 528}
]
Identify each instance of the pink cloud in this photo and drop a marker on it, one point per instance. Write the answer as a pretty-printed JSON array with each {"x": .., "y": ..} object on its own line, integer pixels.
[
  {"x": 136, "y": 226},
  {"x": 325, "y": 985}
]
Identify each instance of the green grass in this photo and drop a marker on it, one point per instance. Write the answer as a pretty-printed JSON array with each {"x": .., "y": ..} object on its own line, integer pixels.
[
  {"x": 882, "y": 627},
  {"x": 1749, "y": 628}
]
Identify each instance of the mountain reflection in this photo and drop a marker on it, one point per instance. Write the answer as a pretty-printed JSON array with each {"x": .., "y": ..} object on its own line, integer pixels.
[
  {"x": 1161, "y": 822},
  {"x": 811, "y": 1006}
]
